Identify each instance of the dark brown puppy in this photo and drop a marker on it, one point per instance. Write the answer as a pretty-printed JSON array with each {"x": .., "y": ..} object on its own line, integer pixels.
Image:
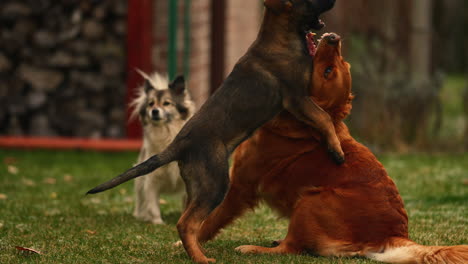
[{"x": 274, "y": 75}]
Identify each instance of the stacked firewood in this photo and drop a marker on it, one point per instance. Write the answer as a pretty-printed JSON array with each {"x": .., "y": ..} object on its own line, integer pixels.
[{"x": 62, "y": 68}]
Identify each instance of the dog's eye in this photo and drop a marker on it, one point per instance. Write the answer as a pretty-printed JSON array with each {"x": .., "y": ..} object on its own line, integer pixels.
[
  {"x": 166, "y": 103},
  {"x": 151, "y": 104},
  {"x": 328, "y": 70}
]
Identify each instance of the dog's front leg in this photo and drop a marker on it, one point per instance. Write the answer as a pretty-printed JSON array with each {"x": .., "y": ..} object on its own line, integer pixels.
[
  {"x": 147, "y": 206},
  {"x": 139, "y": 197},
  {"x": 307, "y": 111}
]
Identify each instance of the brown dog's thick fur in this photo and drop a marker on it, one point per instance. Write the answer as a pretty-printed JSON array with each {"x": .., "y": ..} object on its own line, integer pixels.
[{"x": 349, "y": 210}]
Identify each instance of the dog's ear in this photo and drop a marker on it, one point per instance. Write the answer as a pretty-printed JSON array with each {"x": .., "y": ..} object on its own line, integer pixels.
[
  {"x": 178, "y": 85},
  {"x": 182, "y": 97},
  {"x": 147, "y": 86},
  {"x": 278, "y": 6}
]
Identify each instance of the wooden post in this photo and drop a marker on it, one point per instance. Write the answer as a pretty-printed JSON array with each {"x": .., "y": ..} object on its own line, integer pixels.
[
  {"x": 173, "y": 18},
  {"x": 420, "y": 40},
  {"x": 218, "y": 37},
  {"x": 139, "y": 46}
]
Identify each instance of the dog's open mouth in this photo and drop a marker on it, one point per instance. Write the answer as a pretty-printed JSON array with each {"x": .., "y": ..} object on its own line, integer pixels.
[
  {"x": 328, "y": 38},
  {"x": 311, "y": 45}
]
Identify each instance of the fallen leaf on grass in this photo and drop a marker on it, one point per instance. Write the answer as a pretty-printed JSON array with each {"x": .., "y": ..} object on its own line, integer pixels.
[
  {"x": 28, "y": 182},
  {"x": 134, "y": 259},
  {"x": 162, "y": 201},
  {"x": 67, "y": 178},
  {"x": 12, "y": 169},
  {"x": 50, "y": 180},
  {"x": 177, "y": 244},
  {"x": 101, "y": 212},
  {"x": 91, "y": 232},
  {"x": 123, "y": 191},
  {"x": 115, "y": 209},
  {"x": 1, "y": 224},
  {"x": 128, "y": 199},
  {"x": 10, "y": 160},
  {"x": 28, "y": 250},
  {"x": 95, "y": 200},
  {"x": 3, "y": 196},
  {"x": 21, "y": 227},
  {"x": 52, "y": 212},
  {"x": 465, "y": 182},
  {"x": 53, "y": 195}
]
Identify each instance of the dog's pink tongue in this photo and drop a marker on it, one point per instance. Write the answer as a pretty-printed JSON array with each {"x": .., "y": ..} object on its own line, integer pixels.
[{"x": 311, "y": 43}]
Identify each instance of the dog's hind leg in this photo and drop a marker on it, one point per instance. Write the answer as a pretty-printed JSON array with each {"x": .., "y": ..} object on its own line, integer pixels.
[
  {"x": 238, "y": 199},
  {"x": 286, "y": 247},
  {"x": 313, "y": 219},
  {"x": 207, "y": 179},
  {"x": 317, "y": 226}
]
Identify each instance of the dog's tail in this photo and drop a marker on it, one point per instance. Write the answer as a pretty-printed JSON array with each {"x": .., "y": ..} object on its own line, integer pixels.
[
  {"x": 156, "y": 161},
  {"x": 402, "y": 250}
]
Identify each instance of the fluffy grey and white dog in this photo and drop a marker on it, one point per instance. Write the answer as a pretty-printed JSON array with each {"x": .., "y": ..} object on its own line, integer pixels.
[{"x": 163, "y": 108}]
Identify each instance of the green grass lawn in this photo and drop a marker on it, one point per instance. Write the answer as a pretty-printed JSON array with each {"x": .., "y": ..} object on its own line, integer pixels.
[{"x": 42, "y": 206}]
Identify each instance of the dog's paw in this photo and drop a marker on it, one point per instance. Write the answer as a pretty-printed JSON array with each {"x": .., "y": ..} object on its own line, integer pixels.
[
  {"x": 178, "y": 244},
  {"x": 276, "y": 243},
  {"x": 338, "y": 158},
  {"x": 147, "y": 217},
  {"x": 247, "y": 249},
  {"x": 205, "y": 260},
  {"x": 157, "y": 221}
]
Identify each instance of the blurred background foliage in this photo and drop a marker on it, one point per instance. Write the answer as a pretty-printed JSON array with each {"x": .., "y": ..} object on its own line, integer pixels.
[
  {"x": 409, "y": 64},
  {"x": 63, "y": 65}
]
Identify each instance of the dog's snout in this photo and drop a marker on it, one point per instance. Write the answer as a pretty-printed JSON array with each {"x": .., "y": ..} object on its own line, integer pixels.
[
  {"x": 333, "y": 38},
  {"x": 156, "y": 114},
  {"x": 326, "y": 5}
]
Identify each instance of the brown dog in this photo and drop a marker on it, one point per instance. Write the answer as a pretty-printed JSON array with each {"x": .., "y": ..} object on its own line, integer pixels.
[
  {"x": 349, "y": 210},
  {"x": 272, "y": 76}
]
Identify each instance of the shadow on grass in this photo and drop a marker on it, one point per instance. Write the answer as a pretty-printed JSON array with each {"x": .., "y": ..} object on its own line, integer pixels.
[
  {"x": 222, "y": 247},
  {"x": 171, "y": 217}
]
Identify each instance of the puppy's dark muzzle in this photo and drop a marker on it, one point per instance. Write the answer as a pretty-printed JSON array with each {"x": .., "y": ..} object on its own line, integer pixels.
[
  {"x": 325, "y": 5},
  {"x": 322, "y": 6}
]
